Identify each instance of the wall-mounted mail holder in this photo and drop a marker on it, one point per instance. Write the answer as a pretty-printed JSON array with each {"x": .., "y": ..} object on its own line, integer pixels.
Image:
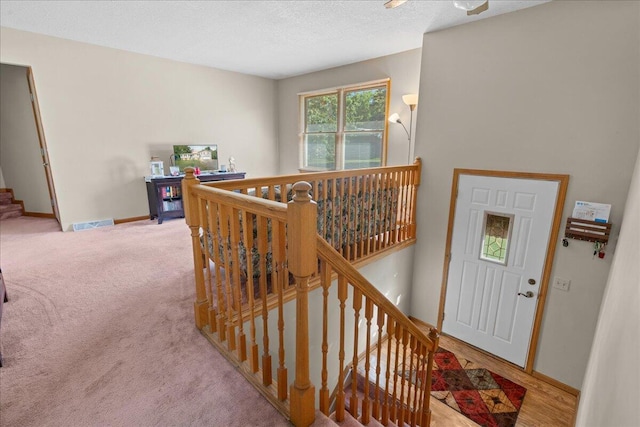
[{"x": 590, "y": 231}]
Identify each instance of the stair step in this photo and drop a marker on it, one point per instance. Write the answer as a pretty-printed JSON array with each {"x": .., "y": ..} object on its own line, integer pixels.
[
  {"x": 6, "y": 198},
  {"x": 10, "y": 211}
]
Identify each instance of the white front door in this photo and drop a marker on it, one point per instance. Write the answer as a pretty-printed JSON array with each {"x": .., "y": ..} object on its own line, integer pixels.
[{"x": 499, "y": 243}]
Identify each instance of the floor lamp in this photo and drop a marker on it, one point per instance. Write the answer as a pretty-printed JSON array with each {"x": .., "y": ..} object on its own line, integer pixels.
[{"x": 412, "y": 101}]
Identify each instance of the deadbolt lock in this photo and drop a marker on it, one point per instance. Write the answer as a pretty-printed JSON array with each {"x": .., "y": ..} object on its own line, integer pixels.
[{"x": 532, "y": 281}]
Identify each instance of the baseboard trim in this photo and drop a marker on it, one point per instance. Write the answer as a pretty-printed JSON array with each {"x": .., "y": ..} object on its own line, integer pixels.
[
  {"x": 132, "y": 219},
  {"x": 562, "y": 386},
  {"x": 40, "y": 215}
]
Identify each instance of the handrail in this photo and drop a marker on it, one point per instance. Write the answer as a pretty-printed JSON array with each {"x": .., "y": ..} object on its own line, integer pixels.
[{"x": 311, "y": 176}]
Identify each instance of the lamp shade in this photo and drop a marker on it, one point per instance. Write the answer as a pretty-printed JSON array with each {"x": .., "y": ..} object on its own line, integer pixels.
[
  {"x": 468, "y": 4},
  {"x": 394, "y": 118},
  {"x": 410, "y": 99}
]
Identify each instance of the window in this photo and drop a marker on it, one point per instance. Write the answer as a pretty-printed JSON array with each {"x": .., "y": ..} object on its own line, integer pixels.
[
  {"x": 345, "y": 128},
  {"x": 495, "y": 239}
]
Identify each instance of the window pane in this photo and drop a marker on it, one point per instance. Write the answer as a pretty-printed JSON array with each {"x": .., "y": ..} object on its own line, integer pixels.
[
  {"x": 365, "y": 109},
  {"x": 321, "y": 113},
  {"x": 321, "y": 151},
  {"x": 363, "y": 150},
  {"x": 495, "y": 241}
]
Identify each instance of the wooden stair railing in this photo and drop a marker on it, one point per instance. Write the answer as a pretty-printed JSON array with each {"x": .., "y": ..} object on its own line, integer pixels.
[
  {"x": 396, "y": 370},
  {"x": 362, "y": 212},
  {"x": 249, "y": 252}
]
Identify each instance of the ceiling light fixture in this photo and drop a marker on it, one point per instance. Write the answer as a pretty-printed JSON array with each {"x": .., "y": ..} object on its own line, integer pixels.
[
  {"x": 394, "y": 3},
  {"x": 473, "y": 7},
  {"x": 411, "y": 100}
]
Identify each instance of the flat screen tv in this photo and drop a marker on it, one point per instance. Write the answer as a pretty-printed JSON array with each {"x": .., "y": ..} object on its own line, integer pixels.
[{"x": 204, "y": 157}]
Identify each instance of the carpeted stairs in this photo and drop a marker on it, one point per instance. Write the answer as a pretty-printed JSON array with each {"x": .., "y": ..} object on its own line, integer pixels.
[{"x": 9, "y": 208}]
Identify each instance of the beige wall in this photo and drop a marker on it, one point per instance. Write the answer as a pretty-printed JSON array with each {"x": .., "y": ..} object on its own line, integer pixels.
[
  {"x": 2, "y": 183},
  {"x": 19, "y": 146},
  {"x": 613, "y": 365},
  {"x": 554, "y": 89},
  {"x": 404, "y": 71},
  {"x": 619, "y": 312},
  {"x": 105, "y": 111}
]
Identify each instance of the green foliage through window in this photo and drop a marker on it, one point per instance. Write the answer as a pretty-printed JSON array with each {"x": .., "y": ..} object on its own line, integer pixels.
[{"x": 359, "y": 142}]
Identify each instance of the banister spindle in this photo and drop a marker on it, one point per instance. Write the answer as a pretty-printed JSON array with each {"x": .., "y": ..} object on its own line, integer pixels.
[
  {"x": 302, "y": 257},
  {"x": 190, "y": 205}
]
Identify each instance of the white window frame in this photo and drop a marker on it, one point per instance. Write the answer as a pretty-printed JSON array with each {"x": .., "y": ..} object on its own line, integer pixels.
[{"x": 340, "y": 133}]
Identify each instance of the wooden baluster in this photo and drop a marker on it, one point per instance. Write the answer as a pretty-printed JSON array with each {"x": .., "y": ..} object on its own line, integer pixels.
[
  {"x": 413, "y": 386},
  {"x": 241, "y": 341},
  {"x": 377, "y": 201},
  {"x": 190, "y": 203},
  {"x": 402, "y": 413},
  {"x": 325, "y": 281},
  {"x": 420, "y": 389},
  {"x": 206, "y": 237},
  {"x": 263, "y": 245},
  {"x": 361, "y": 203},
  {"x": 226, "y": 262},
  {"x": 386, "y": 411},
  {"x": 367, "y": 215},
  {"x": 394, "y": 407},
  {"x": 387, "y": 209},
  {"x": 221, "y": 318},
  {"x": 325, "y": 214},
  {"x": 391, "y": 214},
  {"x": 405, "y": 212},
  {"x": 335, "y": 205},
  {"x": 376, "y": 392},
  {"x": 414, "y": 195},
  {"x": 351, "y": 208},
  {"x": 366, "y": 402},
  {"x": 247, "y": 234},
  {"x": 277, "y": 284},
  {"x": 357, "y": 305},
  {"x": 301, "y": 218},
  {"x": 394, "y": 217},
  {"x": 426, "y": 410},
  {"x": 340, "y": 396}
]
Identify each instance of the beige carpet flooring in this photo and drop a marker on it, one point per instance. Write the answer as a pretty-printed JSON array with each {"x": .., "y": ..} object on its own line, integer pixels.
[{"x": 99, "y": 331}]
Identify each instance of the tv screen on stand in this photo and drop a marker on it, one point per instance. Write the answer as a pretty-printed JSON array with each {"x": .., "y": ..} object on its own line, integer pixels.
[{"x": 204, "y": 157}]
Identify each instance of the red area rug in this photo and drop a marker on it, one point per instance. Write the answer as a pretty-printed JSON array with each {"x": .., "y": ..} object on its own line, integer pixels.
[{"x": 481, "y": 395}]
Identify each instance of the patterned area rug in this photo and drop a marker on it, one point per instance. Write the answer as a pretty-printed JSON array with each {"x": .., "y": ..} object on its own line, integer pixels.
[{"x": 481, "y": 395}]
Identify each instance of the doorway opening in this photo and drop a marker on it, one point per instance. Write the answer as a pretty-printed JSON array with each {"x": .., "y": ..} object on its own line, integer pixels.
[{"x": 25, "y": 159}]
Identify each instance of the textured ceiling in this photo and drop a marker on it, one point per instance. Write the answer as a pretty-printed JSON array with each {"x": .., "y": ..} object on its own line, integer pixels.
[{"x": 274, "y": 39}]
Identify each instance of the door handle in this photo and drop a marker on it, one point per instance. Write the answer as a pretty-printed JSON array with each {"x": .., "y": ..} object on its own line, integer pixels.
[{"x": 527, "y": 294}]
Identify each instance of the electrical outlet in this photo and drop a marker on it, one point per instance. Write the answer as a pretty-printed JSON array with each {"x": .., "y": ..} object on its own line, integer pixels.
[{"x": 562, "y": 284}]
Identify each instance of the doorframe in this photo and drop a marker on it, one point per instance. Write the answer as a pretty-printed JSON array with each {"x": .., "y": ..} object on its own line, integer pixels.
[{"x": 563, "y": 183}]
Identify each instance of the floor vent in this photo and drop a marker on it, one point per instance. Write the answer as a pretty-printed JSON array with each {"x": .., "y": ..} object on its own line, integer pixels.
[{"x": 89, "y": 225}]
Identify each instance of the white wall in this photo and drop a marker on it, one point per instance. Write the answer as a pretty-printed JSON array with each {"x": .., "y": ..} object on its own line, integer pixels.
[
  {"x": 404, "y": 71},
  {"x": 105, "y": 111},
  {"x": 553, "y": 88},
  {"x": 19, "y": 146}
]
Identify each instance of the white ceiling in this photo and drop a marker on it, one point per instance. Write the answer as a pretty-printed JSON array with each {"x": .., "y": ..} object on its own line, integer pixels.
[{"x": 273, "y": 39}]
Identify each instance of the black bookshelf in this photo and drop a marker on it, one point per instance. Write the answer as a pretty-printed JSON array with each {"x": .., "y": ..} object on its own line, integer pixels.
[{"x": 165, "y": 193}]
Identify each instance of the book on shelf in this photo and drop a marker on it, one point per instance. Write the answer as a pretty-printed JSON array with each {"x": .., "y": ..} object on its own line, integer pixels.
[{"x": 171, "y": 205}]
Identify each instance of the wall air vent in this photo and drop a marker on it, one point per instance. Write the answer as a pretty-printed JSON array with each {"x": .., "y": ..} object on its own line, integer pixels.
[{"x": 89, "y": 225}]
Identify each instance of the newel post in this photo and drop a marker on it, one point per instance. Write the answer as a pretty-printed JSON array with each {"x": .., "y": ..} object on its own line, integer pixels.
[
  {"x": 190, "y": 206},
  {"x": 302, "y": 215}
]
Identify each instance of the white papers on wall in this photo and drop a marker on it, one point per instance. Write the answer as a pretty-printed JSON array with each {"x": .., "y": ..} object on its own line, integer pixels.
[{"x": 598, "y": 212}]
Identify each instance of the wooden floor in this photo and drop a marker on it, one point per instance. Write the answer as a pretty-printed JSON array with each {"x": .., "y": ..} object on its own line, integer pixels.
[{"x": 543, "y": 405}]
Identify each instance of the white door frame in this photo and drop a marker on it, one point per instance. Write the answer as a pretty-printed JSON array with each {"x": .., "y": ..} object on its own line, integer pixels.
[{"x": 563, "y": 182}]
